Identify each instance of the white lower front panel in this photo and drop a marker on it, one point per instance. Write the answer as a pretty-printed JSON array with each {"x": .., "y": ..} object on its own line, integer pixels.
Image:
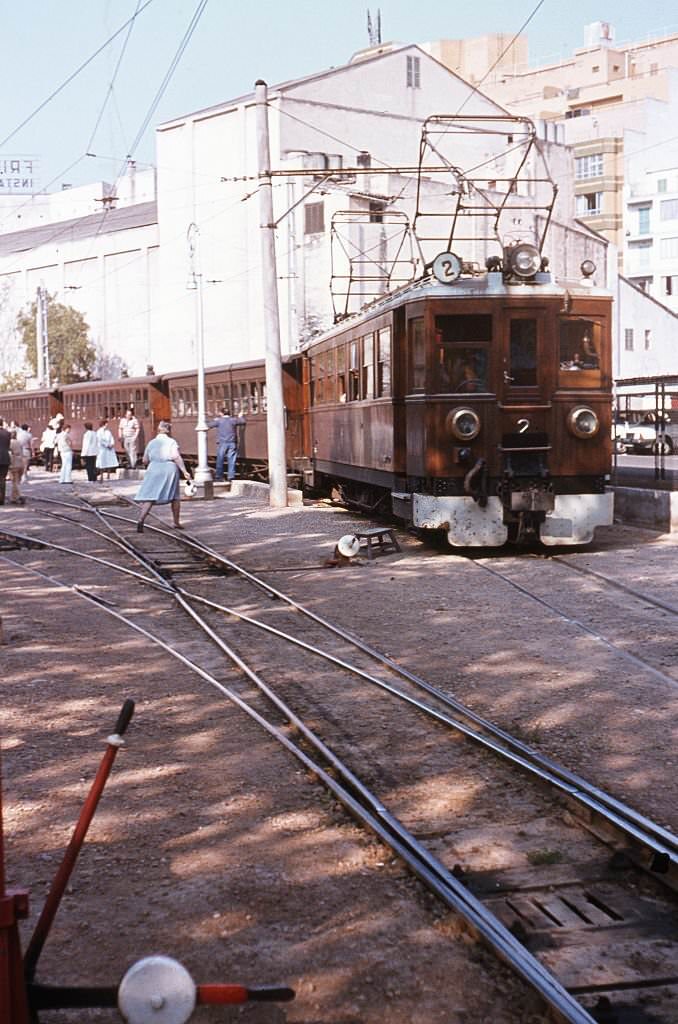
[
  {"x": 467, "y": 524},
  {"x": 575, "y": 517}
]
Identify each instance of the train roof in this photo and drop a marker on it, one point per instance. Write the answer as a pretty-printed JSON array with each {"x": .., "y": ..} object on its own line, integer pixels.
[
  {"x": 224, "y": 368},
  {"x": 481, "y": 286},
  {"x": 30, "y": 393},
  {"x": 119, "y": 382}
]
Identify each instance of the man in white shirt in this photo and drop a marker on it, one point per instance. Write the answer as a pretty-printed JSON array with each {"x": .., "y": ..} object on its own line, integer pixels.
[{"x": 128, "y": 432}]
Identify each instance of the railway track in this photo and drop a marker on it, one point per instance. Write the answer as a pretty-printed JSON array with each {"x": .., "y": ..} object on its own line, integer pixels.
[{"x": 547, "y": 898}]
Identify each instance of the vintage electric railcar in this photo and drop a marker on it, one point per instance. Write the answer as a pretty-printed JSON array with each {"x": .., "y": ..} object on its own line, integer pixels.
[{"x": 480, "y": 407}]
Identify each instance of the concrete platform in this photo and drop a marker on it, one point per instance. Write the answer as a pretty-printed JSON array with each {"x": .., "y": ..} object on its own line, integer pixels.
[{"x": 648, "y": 507}]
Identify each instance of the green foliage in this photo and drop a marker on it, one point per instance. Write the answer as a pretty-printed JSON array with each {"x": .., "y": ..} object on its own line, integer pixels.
[
  {"x": 71, "y": 355},
  {"x": 13, "y": 382}
]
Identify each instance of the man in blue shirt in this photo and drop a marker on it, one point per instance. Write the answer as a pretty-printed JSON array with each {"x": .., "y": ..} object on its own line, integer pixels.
[{"x": 227, "y": 441}]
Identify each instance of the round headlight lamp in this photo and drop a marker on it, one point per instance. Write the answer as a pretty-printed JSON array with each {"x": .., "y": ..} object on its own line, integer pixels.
[
  {"x": 464, "y": 424},
  {"x": 524, "y": 260},
  {"x": 583, "y": 422}
]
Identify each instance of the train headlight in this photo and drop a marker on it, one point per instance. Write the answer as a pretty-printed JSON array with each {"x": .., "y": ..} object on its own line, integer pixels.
[
  {"x": 583, "y": 422},
  {"x": 524, "y": 260},
  {"x": 464, "y": 424}
]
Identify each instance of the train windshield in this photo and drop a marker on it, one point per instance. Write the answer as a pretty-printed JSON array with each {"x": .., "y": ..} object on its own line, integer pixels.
[
  {"x": 580, "y": 341},
  {"x": 462, "y": 347}
]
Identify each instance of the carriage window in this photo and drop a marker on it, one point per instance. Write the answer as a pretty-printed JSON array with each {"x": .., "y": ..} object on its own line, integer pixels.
[
  {"x": 384, "y": 363},
  {"x": 462, "y": 344},
  {"x": 330, "y": 376},
  {"x": 368, "y": 366},
  {"x": 580, "y": 341},
  {"x": 417, "y": 355},
  {"x": 354, "y": 371},
  {"x": 254, "y": 398},
  {"x": 523, "y": 353},
  {"x": 244, "y": 397},
  {"x": 264, "y": 401},
  {"x": 341, "y": 373}
]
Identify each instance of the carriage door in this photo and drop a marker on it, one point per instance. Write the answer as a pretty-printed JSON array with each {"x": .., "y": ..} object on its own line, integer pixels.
[{"x": 524, "y": 367}]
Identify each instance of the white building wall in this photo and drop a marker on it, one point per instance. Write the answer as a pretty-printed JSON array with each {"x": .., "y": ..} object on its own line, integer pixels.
[{"x": 646, "y": 337}]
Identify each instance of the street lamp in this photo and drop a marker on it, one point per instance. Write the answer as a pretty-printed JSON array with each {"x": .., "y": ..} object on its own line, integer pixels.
[{"x": 203, "y": 474}]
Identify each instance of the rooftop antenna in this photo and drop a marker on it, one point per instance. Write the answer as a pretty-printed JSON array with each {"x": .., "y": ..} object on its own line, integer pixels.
[{"x": 374, "y": 31}]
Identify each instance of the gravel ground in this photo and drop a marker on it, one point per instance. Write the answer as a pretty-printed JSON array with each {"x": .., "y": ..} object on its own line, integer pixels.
[{"x": 210, "y": 845}]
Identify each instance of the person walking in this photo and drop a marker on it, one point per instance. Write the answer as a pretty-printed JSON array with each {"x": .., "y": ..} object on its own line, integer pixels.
[
  {"x": 47, "y": 442},
  {"x": 227, "y": 441},
  {"x": 88, "y": 452},
  {"x": 106, "y": 460},
  {"x": 16, "y": 467},
  {"x": 160, "y": 485},
  {"x": 128, "y": 433},
  {"x": 24, "y": 436},
  {"x": 66, "y": 453},
  {"x": 5, "y": 459}
]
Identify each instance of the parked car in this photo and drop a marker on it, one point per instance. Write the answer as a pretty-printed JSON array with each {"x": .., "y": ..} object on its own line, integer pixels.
[{"x": 647, "y": 436}]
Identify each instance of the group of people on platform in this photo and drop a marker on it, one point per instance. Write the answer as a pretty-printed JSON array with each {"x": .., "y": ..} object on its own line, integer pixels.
[{"x": 165, "y": 465}]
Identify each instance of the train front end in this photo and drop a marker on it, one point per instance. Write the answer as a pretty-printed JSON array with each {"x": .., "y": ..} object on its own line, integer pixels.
[{"x": 508, "y": 409}]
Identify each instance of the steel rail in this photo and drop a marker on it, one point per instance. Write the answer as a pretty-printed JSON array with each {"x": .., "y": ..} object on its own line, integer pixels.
[
  {"x": 638, "y": 820},
  {"x": 632, "y": 658},
  {"x": 372, "y": 813},
  {"x": 638, "y": 594},
  {"x": 644, "y": 831},
  {"x": 650, "y": 834},
  {"x": 36, "y": 542}
]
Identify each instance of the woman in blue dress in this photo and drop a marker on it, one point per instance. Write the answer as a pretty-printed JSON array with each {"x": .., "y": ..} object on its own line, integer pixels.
[{"x": 160, "y": 485}]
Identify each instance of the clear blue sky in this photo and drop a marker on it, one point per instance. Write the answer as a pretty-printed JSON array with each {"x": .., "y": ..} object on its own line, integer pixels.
[{"x": 44, "y": 41}]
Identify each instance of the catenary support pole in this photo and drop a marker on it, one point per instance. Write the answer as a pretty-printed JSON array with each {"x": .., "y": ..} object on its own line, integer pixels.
[
  {"x": 203, "y": 474},
  {"x": 277, "y": 467}
]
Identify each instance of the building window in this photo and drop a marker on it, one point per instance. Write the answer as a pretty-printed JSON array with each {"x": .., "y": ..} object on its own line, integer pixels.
[
  {"x": 661, "y": 184},
  {"x": 377, "y": 211},
  {"x": 668, "y": 248},
  {"x": 595, "y": 69},
  {"x": 577, "y": 112},
  {"x": 671, "y": 285},
  {"x": 590, "y": 204},
  {"x": 647, "y": 339},
  {"x": 654, "y": 69},
  {"x": 644, "y": 220},
  {"x": 314, "y": 218},
  {"x": 588, "y": 166},
  {"x": 413, "y": 73},
  {"x": 668, "y": 209},
  {"x": 628, "y": 339},
  {"x": 644, "y": 283}
]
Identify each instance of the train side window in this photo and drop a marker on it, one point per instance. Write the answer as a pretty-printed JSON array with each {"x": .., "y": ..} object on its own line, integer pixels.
[
  {"x": 264, "y": 400},
  {"x": 354, "y": 371},
  {"x": 523, "y": 353},
  {"x": 384, "y": 362},
  {"x": 580, "y": 346},
  {"x": 368, "y": 366},
  {"x": 417, "y": 355},
  {"x": 174, "y": 403},
  {"x": 341, "y": 374},
  {"x": 244, "y": 398},
  {"x": 254, "y": 398}
]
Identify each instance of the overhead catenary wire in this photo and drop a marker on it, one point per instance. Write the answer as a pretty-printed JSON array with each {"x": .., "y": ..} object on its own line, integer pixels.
[{"x": 74, "y": 74}]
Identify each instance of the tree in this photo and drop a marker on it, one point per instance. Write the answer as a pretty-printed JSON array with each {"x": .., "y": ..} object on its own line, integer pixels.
[
  {"x": 71, "y": 354},
  {"x": 108, "y": 367},
  {"x": 13, "y": 382}
]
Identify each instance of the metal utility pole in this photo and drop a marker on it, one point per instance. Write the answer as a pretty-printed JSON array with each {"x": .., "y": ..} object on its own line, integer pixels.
[
  {"x": 203, "y": 474},
  {"x": 41, "y": 338},
  {"x": 275, "y": 419}
]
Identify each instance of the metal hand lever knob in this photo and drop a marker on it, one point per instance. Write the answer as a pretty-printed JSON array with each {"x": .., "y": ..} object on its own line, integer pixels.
[{"x": 157, "y": 990}]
